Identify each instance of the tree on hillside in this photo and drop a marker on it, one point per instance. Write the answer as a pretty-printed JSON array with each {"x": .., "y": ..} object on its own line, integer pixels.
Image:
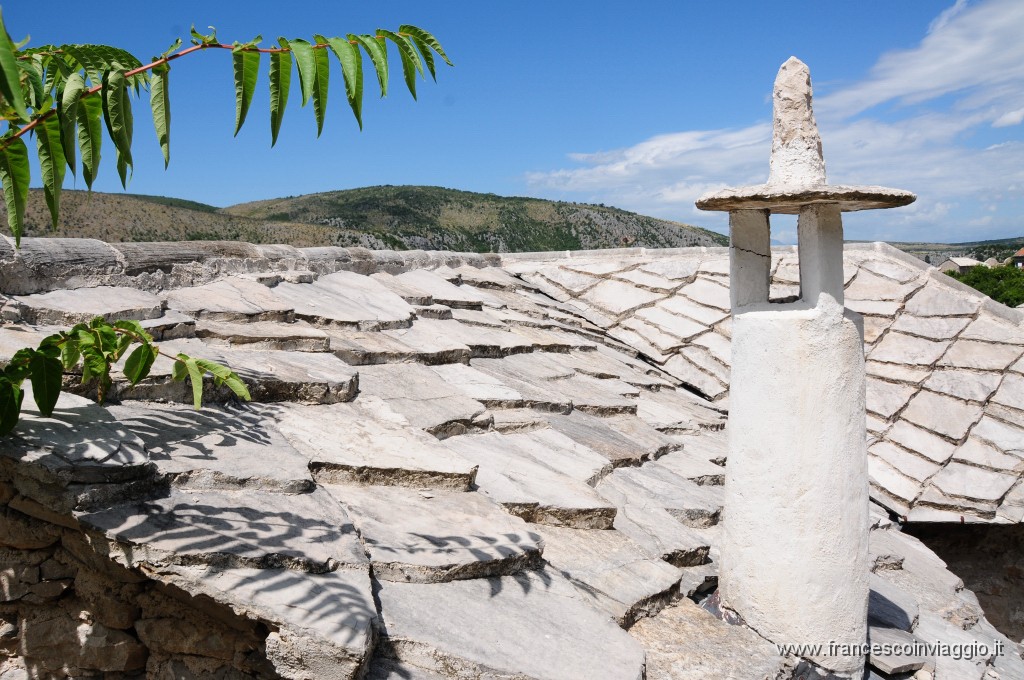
[{"x": 65, "y": 95}]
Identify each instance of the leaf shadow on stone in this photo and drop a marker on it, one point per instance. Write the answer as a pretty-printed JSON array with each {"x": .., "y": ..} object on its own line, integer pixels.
[{"x": 885, "y": 613}]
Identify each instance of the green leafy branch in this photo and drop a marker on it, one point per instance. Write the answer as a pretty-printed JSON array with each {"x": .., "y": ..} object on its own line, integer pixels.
[
  {"x": 62, "y": 93},
  {"x": 97, "y": 346}
]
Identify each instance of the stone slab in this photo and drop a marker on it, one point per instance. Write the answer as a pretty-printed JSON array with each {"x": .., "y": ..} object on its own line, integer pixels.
[
  {"x": 900, "y": 348},
  {"x": 429, "y": 537},
  {"x": 676, "y": 411},
  {"x": 616, "y": 298},
  {"x": 310, "y": 532},
  {"x": 295, "y": 337},
  {"x": 361, "y": 348},
  {"x": 984, "y": 356},
  {"x": 608, "y": 562},
  {"x": 80, "y": 305},
  {"x": 499, "y": 618},
  {"x": 622, "y": 440},
  {"x": 656, "y": 485},
  {"x": 937, "y": 300},
  {"x": 973, "y": 483},
  {"x": 933, "y": 328},
  {"x": 234, "y": 299},
  {"x": 346, "y": 444},
  {"x": 708, "y": 293},
  {"x": 964, "y": 384},
  {"x": 346, "y": 299},
  {"x": 941, "y": 414}
]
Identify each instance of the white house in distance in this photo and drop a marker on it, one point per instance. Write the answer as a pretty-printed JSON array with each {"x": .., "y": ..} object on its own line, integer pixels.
[{"x": 959, "y": 265}]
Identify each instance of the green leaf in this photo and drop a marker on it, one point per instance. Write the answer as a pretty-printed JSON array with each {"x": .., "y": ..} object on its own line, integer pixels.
[
  {"x": 410, "y": 60},
  {"x": 321, "y": 76},
  {"x": 378, "y": 52},
  {"x": 51, "y": 163},
  {"x": 10, "y": 401},
  {"x": 18, "y": 368},
  {"x": 94, "y": 364},
  {"x": 428, "y": 56},
  {"x": 69, "y": 353},
  {"x": 10, "y": 84},
  {"x": 246, "y": 66},
  {"x": 225, "y": 376},
  {"x": 305, "y": 63},
  {"x": 46, "y": 381},
  {"x": 195, "y": 375},
  {"x": 14, "y": 175},
  {"x": 67, "y": 112},
  {"x": 133, "y": 327},
  {"x": 138, "y": 363},
  {"x": 200, "y": 39},
  {"x": 419, "y": 35},
  {"x": 160, "y": 103},
  {"x": 280, "y": 83},
  {"x": 178, "y": 370},
  {"x": 90, "y": 137},
  {"x": 351, "y": 60},
  {"x": 33, "y": 72},
  {"x": 117, "y": 114}
]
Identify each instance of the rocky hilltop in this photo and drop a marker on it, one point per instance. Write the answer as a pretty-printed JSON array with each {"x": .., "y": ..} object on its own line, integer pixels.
[{"x": 384, "y": 217}]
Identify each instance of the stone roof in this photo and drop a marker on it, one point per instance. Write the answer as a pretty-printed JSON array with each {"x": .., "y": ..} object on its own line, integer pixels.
[{"x": 461, "y": 465}]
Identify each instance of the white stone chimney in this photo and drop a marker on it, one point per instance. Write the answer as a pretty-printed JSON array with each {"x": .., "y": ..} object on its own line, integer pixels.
[{"x": 794, "y": 550}]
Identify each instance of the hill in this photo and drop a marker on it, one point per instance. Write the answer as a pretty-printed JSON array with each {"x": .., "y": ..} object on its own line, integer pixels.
[
  {"x": 395, "y": 217},
  {"x": 936, "y": 253}
]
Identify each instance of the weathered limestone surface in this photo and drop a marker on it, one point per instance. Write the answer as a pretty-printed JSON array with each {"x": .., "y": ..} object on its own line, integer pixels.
[{"x": 68, "y": 307}]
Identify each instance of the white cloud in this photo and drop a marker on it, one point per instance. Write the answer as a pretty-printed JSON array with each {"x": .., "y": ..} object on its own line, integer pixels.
[{"x": 972, "y": 51}]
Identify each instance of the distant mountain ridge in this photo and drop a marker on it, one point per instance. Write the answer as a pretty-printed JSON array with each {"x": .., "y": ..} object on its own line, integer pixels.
[{"x": 382, "y": 217}]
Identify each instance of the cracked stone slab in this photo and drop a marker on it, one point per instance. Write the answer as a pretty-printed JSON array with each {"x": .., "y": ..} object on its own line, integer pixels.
[
  {"x": 294, "y": 337},
  {"x": 482, "y": 342},
  {"x": 695, "y": 468},
  {"x": 674, "y": 325},
  {"x": 498, "y": 619},
  {"x": 490, "y": 278},
  {"x": 655, "y": 530},
  {"x": 608, "y": 563},
  {"x": 310, "y": 377},
  {"x": 898, "y": 487},
  {"x": 447, "y": 293},
  {"x": 973, "y": 483},
  {"x": 80, "y": 305},
  {"x": 406, "y": 291},
  {"x": 685, "y": 642},
  {"x": 348, "y": 445},
  {"x": 484, "y": 387},
  {"x": 674, "y": 269},
  {"x": 347, "y": 300},
  {"x": 678, "y": 304},
  {"x": 933, "y": 327},
  {"x": 1011, "y": 392},
  {"x": 622, "y": 440},
  {"x": 308, "y": 532},
  {"x": 648, "y": 280},
  {"x": 324, "y": 624},
  {"x": 654, "y": 485},
  {"x": 217, "y": 448},
  {"x": 361, "y": 348},
  {"x": 987, "y": 329},
  {"x": 519, "y": 473},
  {"x": 234, "y": 299},
  {"x": 685, "y": 369},
  {"x": 913, "y": 375},
  {"x": 921, "y": 441},
  {"x": 909, "y": 464},
  {"x": 429, "y": 537},
  {"x": 963, "y": 384},
  {"x": 422, "y": 396},
  {"x": 868, "y": 286},
  {"x": 708, "y": 293}
]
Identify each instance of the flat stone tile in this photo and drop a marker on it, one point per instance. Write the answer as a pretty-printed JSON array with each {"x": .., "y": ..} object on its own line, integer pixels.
[
  {"x": 677, "y": 326},
  {"x": 693, "y": 467},
  {"x": 309, "y": 532},
  {"x": 933, "y": 328},
  {"x": 922, "y": 441},
  {"x": 483, "y": 387},
  {"x": 644, "y": 279},
  {"x": 1011, "y": 391},
  {"x": 689, "y": 371},
  {"x": 361, "y": 348},
  {"x": 293, "y": 337},
  {"x": 507, "y": 421},
  {"x": 345, "y": 444},
  {"x": 891, "y": 269},
  {"x": 885, "y": 398},
  {"x": 685, "y": 642},
  {"x": 429, "y": 537},
  {"x": 572, "y": 281},
  {"x": 608, "y": 562},
  {"x": 16, "y": 337},
  {"x": 489, "y": 278},
  {"x": 615, "y": 298},
  {"x": 684, "y": 306},
  {"x": 623, "y": 440},
  {"x": 980, "y": 355},
  {"x": 891, "y": 606},
  {"x": 80, "y": 305},
  {"x": 420, "y": 395},
  {"x": 327, "y": 620},
  {"x": 707, "y": 293},
  {"x": 899, "y": 348},
  {"x": 664, "y": 342},
  {"x": 676, "y": 269},
  {"x": 942, "y": 414},
  {"x": 874, "y": 307},
  {"x": 693, "y": 505},
  {"x": 348, "y": 300},
  {"x": 404, "y": 290},
  {"x": 964, "y": 384},
  {"x": 973, "y": 483},
  {"x": 988, "y": 329},
  {"x": 482, "y": 342},
  {"x": 234, "y": 299},
  {"x": 170, "y": 326},
  {"x": 908, "y": 463},
  {"x": 913, "y": 375},
  {"x": 444, "y": 292},
  {"x": 511, "y": 474},
  {"x": 869, "y": 286},
  {"x": 936, "y": 300},
  {"x": 976, "y": 452},
  {"x": 497, "y": 619},
  {"x": 655, "y": 530},
  {"x": 217, "y": 448},
  {"x": 80, "y": 442},
  {"x": 896, "y": 639},
  {"x": 309, "y": 377},
  {"x": 884, "y": 476},
  {"x": 1007, "y": 437},
  {"x": 675, "y": 411}
]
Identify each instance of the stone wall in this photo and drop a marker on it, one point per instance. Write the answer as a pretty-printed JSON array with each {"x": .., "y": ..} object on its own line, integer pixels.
[{"x": 67, "y": 610}]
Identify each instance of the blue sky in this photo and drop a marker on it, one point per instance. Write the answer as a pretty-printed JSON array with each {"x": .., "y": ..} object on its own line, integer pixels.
[{"x": 642, "y": 105}]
